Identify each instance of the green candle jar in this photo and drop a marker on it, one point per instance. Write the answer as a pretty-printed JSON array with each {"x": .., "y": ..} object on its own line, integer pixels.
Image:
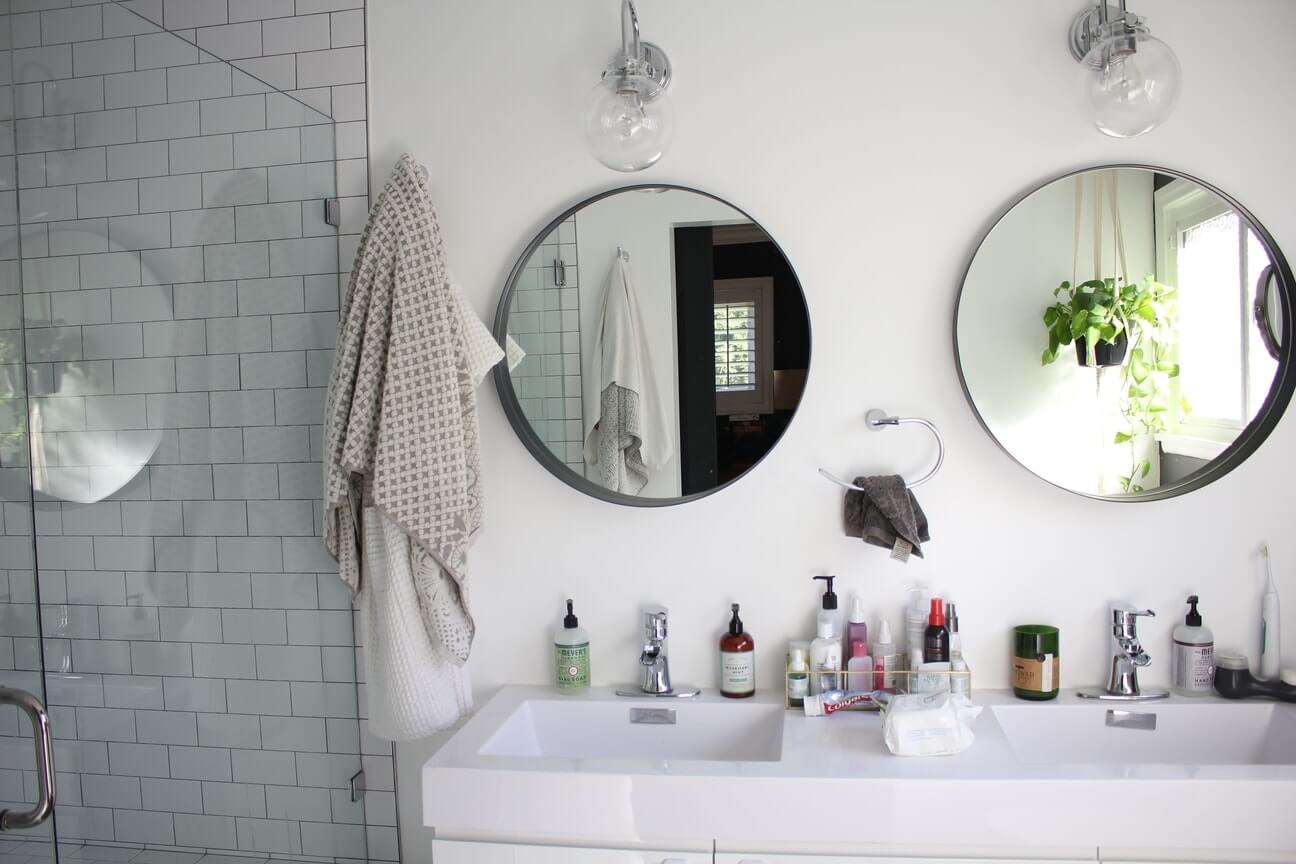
[{"x": 1035, "y": 662}]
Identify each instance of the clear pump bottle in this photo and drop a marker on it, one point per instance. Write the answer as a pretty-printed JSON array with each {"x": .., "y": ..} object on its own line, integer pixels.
[
  {"x": 825, "y": 657},
  {"x": 828, "y": 606}
]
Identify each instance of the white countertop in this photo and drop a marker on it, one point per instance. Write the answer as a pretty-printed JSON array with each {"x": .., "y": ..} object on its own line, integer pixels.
[{"x": 836, "y": 783}]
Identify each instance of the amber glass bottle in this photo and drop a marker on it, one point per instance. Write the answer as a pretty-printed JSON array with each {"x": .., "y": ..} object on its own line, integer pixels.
[{"x": 737, "y": 660}]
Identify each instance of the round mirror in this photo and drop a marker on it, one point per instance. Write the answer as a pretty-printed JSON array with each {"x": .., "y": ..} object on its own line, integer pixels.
[
  {"x": 657, "y": 345},
  {"x": 1119, "y": 333}
]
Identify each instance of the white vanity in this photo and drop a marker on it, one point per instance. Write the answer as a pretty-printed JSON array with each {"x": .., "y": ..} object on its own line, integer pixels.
[{"x": 536, "y": 778}]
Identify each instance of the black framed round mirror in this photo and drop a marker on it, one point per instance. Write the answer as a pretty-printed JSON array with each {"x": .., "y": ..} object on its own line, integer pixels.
[
  {"x": 657, "y": 343},
  {"x": 1119, "y": 332}
]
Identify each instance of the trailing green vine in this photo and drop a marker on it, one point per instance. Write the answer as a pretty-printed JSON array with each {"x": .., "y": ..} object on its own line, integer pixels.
[
  {"x": 1148, "y": 373},
  {"x": 1146, "y": 313}
]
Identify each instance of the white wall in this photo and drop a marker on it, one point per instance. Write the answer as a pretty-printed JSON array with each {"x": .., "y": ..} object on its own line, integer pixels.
[
  {"x": 644, "y": 225},
  {"x": 1050, "y": 417},
  {"x": 877, "y": 163}
]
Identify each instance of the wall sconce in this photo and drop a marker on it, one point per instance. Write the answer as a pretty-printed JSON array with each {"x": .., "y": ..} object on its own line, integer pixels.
[
  {"x": 1131, "y": 78},
  {"x": 628, "y": 114}
]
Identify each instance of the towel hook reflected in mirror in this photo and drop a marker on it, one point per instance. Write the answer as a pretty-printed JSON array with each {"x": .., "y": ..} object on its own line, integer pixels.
[
  {"x": 1267, "y": 316},
  {"x": 877, "y": 420}
]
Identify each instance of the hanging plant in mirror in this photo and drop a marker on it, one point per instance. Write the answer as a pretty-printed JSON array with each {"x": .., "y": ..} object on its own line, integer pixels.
[
  {"x": 1093, "y": 315},
  {"x": 1102, "y": 317},
  {"x": 1176, "y": 381}
]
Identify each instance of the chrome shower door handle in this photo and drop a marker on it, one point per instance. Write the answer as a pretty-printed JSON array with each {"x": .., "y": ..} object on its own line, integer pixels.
[{"x": 35, "y": 711}]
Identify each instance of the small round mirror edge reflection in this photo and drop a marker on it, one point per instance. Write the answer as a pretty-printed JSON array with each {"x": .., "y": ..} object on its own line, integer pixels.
[
  {"x": 509, "y": 400},
  {"x": 1270, "y": 411}
]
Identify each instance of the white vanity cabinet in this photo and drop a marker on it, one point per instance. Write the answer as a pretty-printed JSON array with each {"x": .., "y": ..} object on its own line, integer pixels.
[
  {"x": 466, "y": 852},
  {"x": 758, "y": 858},
  {"x": 463, "y": 852}
]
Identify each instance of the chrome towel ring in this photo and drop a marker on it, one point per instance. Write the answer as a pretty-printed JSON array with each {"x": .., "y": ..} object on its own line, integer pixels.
[{"x": 878, "y": 420}]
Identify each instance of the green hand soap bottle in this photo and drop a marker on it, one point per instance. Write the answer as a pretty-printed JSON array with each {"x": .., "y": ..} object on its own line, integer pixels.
[{"x": 571, "y": 655}]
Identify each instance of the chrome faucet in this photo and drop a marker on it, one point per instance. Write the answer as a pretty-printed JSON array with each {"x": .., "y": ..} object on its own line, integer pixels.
[
  {"x": 656, "y": 671},
  {"x": 1129, "y": 658},
  {"x": 656, "y": 666}
]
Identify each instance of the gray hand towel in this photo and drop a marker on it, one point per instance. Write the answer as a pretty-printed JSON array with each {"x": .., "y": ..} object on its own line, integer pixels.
[{"x": 886, "y": 514}]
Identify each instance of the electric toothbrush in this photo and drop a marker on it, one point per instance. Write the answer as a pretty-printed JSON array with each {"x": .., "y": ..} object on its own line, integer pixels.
[{"x": 1270, "y": 625}]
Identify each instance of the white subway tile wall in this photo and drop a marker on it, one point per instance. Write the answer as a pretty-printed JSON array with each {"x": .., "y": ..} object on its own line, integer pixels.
[
  {"x": 179, "y": 292},
  {"x": 545, "y": 322}
]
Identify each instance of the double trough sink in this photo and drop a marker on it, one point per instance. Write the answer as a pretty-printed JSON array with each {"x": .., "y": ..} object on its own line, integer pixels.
[{"x": 1179, "y": 732}]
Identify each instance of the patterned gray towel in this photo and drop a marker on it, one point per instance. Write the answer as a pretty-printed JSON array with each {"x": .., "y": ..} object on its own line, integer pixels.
[
  {"x": 400, "y": 416},
  {"x": 886, "y": 514}
]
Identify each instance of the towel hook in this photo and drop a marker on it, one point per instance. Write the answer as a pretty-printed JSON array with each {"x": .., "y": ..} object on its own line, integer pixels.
[
  {"x": 877, "y": 420},
  {"x": 623, "y": 254}
]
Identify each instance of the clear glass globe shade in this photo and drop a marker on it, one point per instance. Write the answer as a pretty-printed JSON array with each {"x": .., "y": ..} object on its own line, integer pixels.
[
  {"x": 628, "y": 122},
  {"x": 1129, "y": 94}
]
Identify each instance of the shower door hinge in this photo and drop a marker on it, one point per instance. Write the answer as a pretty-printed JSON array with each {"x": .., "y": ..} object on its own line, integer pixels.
[
  {"x": 357, "y": 785},
  {"x": 333, "y": 212}
]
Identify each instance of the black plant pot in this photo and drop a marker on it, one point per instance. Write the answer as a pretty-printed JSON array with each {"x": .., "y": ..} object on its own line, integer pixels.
[{"x": 1105, "y": 353}]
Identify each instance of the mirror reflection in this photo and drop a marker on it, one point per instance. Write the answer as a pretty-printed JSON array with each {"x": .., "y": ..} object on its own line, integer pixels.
[
  {"x": 657, "y": 344},
  {"x": 1119, "y": 330},
  {"x": 45, "y": 426}
]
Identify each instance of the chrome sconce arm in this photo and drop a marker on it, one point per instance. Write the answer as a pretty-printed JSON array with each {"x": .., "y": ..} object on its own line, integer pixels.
[
  {"x": 638, "y": 57},
  {"x": 1130, "y": 78},
  {"x": 628, "y": 114}
]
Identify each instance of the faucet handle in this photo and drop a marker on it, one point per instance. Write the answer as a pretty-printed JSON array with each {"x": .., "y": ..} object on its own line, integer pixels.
[
  {"x": 1124, "y": 621},
  {"x": 655, "y": 623}
]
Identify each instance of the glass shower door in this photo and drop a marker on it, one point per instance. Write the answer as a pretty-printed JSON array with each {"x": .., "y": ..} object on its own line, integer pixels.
[
  {"x": 26, "y": 759},
  {"x": 169, "y": 310}
]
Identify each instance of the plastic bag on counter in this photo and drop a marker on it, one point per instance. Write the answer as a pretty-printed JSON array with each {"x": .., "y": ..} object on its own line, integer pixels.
[{"x": 928, "y": 724}]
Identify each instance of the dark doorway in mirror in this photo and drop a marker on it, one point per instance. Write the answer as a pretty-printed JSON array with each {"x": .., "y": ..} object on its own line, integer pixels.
[{"x": 743, "y": 350}]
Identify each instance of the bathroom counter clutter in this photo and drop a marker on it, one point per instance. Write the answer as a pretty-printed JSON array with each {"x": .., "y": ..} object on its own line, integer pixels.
[{"x": 1058, "y": 779}]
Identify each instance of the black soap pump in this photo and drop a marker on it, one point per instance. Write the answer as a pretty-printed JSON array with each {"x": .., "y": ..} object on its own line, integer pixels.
[{"x": 828, "y": 609}]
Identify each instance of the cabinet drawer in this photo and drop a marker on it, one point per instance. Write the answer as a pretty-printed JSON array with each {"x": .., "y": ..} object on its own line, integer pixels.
[{"x": 463, "y": 852}]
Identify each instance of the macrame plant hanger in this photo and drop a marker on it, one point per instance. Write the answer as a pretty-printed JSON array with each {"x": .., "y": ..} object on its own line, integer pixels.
[{"x": 1101, "y": 181}]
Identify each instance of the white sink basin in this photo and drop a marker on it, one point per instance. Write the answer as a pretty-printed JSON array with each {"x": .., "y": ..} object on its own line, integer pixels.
[
  {"x": 575, "y": 728},
  {"x": 1209, "y": 733}
]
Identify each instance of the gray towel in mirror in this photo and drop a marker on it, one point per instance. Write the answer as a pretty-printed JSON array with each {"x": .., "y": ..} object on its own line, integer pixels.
[{"x": 886, "y": 514}]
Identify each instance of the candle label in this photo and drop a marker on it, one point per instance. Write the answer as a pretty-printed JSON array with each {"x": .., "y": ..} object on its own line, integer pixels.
[{"x": 1037, "y": 674}]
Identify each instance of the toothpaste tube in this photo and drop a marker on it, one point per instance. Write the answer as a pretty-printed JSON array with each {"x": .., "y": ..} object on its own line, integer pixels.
[{"x": 832, "y": 701}]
